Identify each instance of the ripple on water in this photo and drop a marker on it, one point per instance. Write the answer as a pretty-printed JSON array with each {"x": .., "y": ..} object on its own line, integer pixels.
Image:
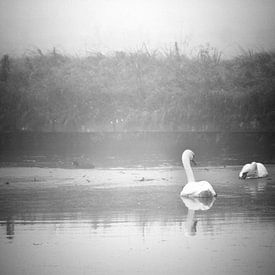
[{"x": 143, "y": 228}]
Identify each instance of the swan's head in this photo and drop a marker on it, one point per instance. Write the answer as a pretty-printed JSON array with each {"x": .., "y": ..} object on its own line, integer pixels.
[
  {"x": 245, "y": 170},
  {"x": 188, "y": 155},
  {"x": 249, "y": 168}
]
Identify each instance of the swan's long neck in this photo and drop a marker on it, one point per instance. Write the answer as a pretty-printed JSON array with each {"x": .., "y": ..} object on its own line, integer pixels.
[{"x": 188, "y": 169}]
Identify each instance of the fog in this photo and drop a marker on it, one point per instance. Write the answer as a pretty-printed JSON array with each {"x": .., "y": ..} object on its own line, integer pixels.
[{"x": 81, "y": 26}]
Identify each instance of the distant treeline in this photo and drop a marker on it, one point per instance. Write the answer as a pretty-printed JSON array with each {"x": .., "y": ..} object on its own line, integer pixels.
[{"x": 142, "y": 90}]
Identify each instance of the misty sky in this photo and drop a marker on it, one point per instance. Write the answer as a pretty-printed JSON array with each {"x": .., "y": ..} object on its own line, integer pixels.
[{"x": 80, "y": 26}]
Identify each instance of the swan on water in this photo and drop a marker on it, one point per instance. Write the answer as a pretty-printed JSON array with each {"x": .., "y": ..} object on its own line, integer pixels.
[
  {"x": 194, "y": 188},
  {"x": 253, "y": 170}
]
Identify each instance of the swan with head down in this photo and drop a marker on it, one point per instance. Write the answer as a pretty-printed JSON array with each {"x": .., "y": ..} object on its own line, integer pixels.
[
  {"x": 194, "y": 188},
  {"x": 253, "y": 170}
]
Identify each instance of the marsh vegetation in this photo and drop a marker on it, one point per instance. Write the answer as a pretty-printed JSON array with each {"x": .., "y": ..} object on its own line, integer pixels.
[{"x": 142, "y": 90}]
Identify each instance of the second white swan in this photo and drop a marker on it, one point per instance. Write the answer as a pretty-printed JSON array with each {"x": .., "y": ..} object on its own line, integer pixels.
[
  {"x": 253, "y": 170},
  {"x": 194, "y": 188}
]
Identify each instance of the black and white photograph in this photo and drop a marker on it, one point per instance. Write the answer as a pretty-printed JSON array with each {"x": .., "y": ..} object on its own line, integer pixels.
[{"x": 137, "y": 137}]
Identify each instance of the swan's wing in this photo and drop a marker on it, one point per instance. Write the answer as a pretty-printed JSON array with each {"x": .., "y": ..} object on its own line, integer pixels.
[
  {"x": 262, "y": 172},
  {"x": 206, "y": 189},
  {"x": 198, "y": 189},
  {"x": 189, "y": 190}
]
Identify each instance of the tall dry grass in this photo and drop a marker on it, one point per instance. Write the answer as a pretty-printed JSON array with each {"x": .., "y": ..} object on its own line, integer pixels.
[{"x": 142, "y": 90}]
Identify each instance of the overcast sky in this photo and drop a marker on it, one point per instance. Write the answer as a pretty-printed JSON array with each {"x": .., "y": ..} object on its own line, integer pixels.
[{"x": 79, "y": 26}]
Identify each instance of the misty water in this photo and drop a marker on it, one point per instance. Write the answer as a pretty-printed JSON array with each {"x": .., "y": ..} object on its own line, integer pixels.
[{"x": 133, "y": 221}]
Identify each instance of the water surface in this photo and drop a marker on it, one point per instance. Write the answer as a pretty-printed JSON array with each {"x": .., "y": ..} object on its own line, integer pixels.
[{"x": 126, "y": 221}]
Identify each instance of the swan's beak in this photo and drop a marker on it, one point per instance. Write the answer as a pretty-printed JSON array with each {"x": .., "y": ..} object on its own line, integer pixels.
[
  {"x": 244, "y": 175},
  {"x": 193, "y": 161}
]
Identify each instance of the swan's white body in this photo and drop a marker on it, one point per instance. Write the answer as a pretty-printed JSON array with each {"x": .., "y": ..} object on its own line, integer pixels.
[
  {"x": 253, "y": 170},
  {"x": 194, "y": 188}
]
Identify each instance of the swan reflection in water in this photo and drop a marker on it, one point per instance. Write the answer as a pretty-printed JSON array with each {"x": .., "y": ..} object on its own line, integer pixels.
[
  {"x": 255, "y": 186},
  {"x": 194, "y": 204}
]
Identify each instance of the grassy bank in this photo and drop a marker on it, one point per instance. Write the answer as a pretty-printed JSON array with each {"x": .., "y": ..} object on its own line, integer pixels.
[{"x": 142, "y": 90}]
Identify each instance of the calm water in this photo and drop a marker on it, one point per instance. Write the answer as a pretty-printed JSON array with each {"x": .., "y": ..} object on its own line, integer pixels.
[{"x": 141, "y": 227}]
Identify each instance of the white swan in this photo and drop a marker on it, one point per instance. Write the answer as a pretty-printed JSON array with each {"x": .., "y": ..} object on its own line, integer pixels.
[
  {"x": 253, "y": 170},
  {"x": 194, "y": 188}
]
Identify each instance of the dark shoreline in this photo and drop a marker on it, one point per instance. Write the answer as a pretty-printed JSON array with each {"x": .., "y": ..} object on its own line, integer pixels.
[{"x": 112, "y": 149}]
